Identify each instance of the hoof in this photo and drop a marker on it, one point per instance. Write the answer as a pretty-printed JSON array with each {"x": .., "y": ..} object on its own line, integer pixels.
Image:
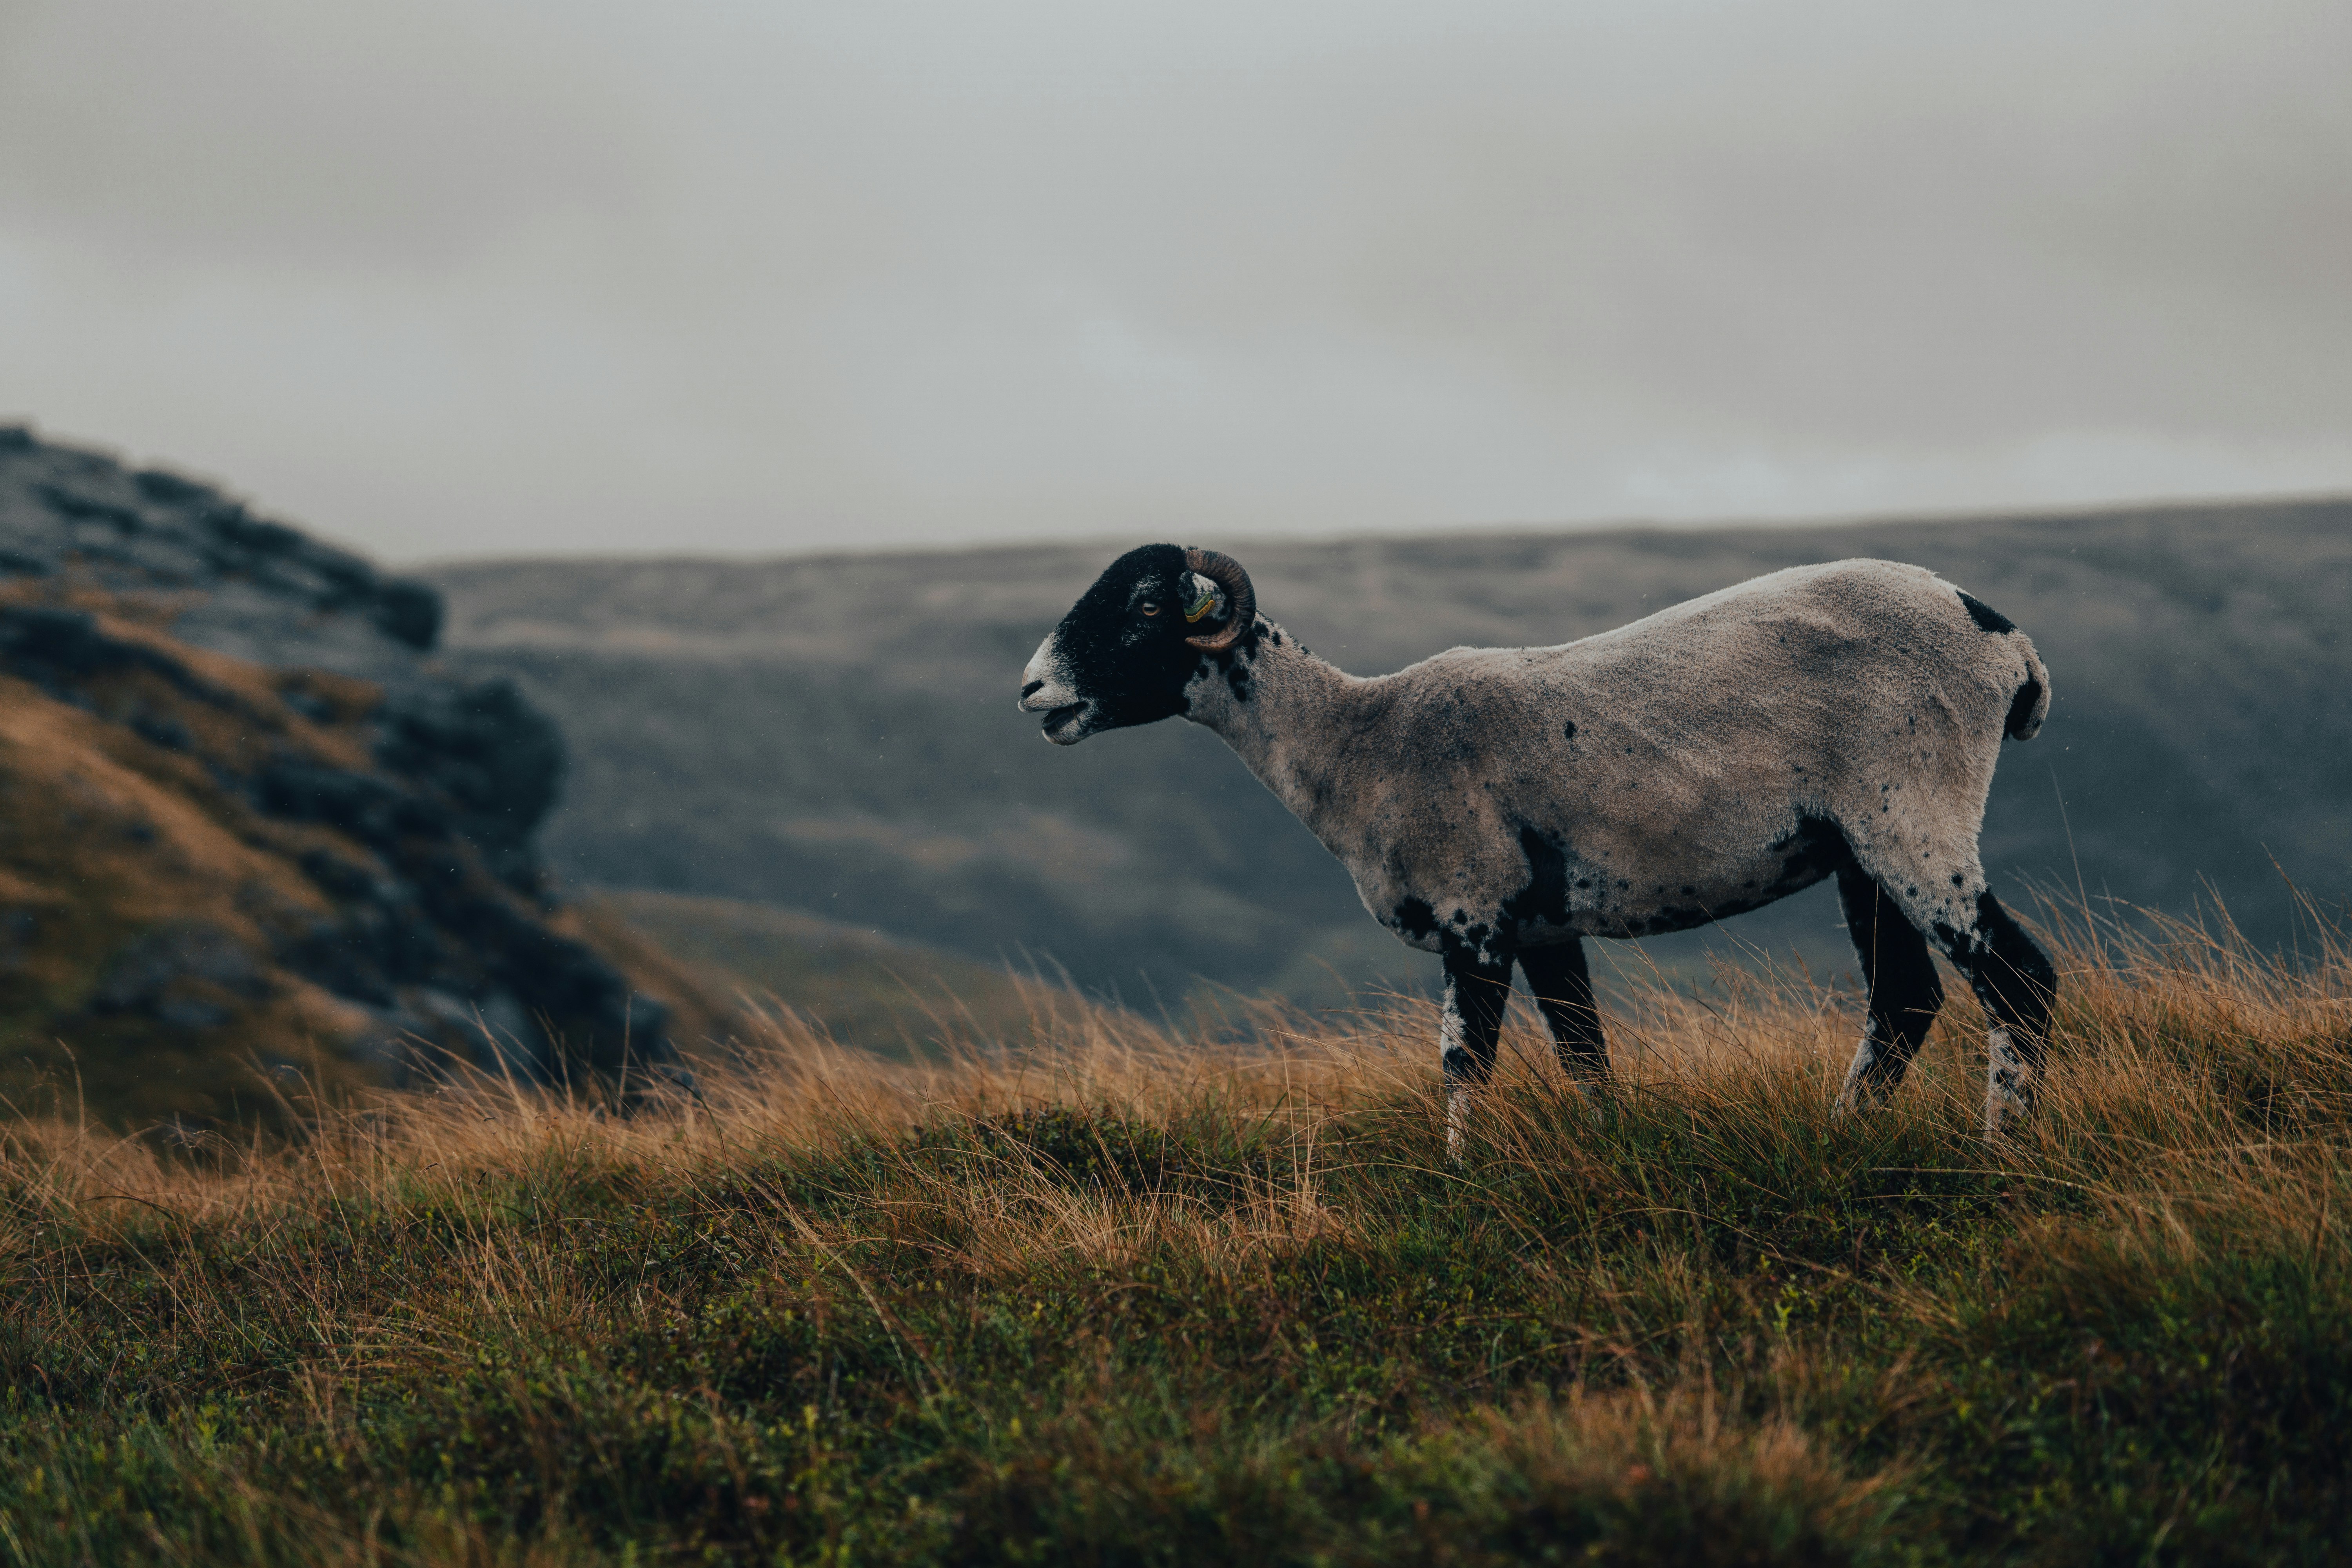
[
  {"x": 2009, "y": 1087},
  {"x": 1458, "y": 1103}
]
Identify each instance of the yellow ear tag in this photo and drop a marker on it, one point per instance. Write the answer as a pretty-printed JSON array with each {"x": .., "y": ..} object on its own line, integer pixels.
[{"x": 1199, "y": 609}]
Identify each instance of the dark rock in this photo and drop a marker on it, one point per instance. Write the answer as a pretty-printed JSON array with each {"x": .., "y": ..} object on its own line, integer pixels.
[
  {"x": 309, "y": 704},
  {"x": 18, "y": 928},
  {"x": 645, "y": 1020},
  {"x": 438, "y": 918},
  {"x": 316, "y": 605},
  {"x": 409, "y": 612},
  {"x": 489, "y": 750},
  {"x": 152, "y": 973},
  {"x": 65, "y": 640},
  {"x": 251, "y": 535},
  {"x": 345, "y": 880},
  {"x": 372, "y": 809},
  {"x": 53, "y": 646},
  {"x": 337, "y": 959},
  {"x": 168, "y": 489},
  {"x": 162, "y": 729},
  {"x": 72, "y": 503}
]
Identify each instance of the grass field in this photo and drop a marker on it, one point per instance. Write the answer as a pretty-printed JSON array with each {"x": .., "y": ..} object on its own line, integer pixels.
[{"x": 1117, "y": 1299}]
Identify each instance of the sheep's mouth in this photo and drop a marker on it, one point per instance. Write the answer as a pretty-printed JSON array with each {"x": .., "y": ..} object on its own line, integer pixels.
[{"x": 1057, "y": 717}]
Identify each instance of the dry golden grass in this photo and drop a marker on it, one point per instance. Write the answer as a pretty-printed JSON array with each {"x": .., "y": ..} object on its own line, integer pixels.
[{"x": 1125, "y": 1296}]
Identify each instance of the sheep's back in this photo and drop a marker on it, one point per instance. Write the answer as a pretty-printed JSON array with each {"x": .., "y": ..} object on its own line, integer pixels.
[{"x": 1699, "y": 737}]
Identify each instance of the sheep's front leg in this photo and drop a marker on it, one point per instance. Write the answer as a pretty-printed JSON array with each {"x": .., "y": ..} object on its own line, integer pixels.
[{"x": 1475, "y": 995}]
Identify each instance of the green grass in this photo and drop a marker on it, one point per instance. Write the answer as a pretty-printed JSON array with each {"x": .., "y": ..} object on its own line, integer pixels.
[{"x": 1116, "y": 1301}]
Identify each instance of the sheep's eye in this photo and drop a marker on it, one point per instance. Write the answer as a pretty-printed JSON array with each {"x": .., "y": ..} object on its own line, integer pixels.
[{"x": 1149, "y": 606}]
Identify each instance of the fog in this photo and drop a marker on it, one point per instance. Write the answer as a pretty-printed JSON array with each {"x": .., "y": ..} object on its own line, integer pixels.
[{"x": 452, "y": 279}]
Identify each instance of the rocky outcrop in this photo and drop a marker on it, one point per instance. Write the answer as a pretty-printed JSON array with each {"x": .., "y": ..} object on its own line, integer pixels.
[
  {"x": 242, "y": 809},
  {"x": 257, "y": 590}
]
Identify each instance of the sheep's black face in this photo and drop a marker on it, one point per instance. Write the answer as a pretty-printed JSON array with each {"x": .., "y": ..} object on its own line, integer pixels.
[{"x": 1119, "y": 656}]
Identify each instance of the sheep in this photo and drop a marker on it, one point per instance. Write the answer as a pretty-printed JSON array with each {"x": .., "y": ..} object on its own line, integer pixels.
[{"x": 1497, "y": 806}]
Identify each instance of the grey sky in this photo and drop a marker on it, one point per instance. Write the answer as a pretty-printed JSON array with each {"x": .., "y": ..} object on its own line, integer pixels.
[{"x": 449, "y": 276}]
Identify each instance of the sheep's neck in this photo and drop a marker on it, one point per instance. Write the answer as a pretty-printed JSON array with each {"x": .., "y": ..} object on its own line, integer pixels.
[{"x": 1282, "y": 711}]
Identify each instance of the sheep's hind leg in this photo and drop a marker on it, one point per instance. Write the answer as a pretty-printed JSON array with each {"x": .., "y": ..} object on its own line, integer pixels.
[
  {"x": 1561, "y": 984},
  {"x": 2016, "y": 981},
  {"x": 1470, "y": 1024},
  {"x": 1905, "y": 994}
]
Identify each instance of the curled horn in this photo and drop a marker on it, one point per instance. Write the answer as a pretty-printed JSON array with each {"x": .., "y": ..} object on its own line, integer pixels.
[{"x": 1241, "y": 599}]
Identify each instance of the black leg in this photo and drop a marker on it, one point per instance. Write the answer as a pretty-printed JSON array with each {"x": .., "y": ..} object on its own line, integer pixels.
[
  {"x": 2017, "y": 983},
  {"x": 1904, "y": 992},
  {"x": 1562, "y": 987},
  {"x": 1476, "y": 996},
  {"x": 1471, "y": 1022}
]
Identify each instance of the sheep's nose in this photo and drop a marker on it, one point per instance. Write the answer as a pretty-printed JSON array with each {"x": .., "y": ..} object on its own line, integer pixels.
[{"x": 1032, "y": 690}]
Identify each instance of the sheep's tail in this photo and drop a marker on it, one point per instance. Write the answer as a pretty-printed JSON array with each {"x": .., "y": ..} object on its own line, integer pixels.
[{"x": 2031, "y": 703}]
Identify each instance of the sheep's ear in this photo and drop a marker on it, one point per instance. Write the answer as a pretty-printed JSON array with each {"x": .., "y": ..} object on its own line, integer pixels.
[{"x": 1203, "y": 600}]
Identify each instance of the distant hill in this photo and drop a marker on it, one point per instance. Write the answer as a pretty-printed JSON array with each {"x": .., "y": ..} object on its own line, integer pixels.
[
  {"x": 888, "y": 998},
  {"x": 836, "y": 735}
]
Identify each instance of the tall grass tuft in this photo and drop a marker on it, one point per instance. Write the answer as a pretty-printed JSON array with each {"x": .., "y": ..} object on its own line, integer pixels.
[{"x": 1136, "y": 1294}]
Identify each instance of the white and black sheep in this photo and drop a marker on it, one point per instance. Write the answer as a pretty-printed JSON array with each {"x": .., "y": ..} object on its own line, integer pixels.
[{"x": 1497, "y": 806}]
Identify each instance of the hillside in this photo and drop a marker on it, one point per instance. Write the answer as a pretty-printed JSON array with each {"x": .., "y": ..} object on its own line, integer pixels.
[
  {"x": 892, "y": 998},
  {"x": 1123, "y": 1297},
  {"x": 253, "y": 839},
  {"x": 836, "y": 735}
]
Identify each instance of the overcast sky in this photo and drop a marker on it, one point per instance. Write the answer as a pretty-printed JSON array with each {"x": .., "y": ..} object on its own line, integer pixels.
[{"x": 458, "y": 277}]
